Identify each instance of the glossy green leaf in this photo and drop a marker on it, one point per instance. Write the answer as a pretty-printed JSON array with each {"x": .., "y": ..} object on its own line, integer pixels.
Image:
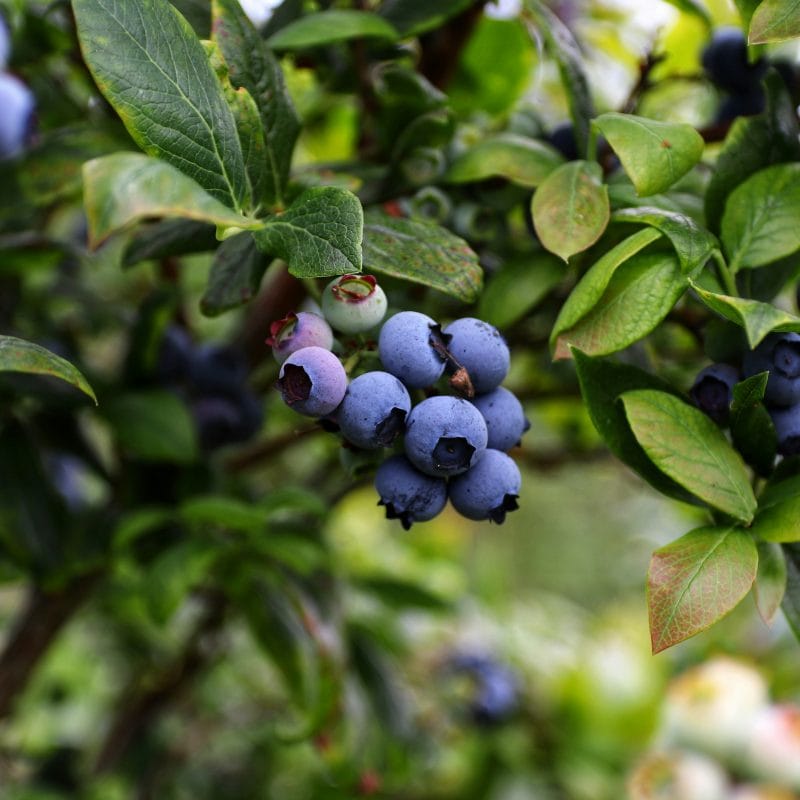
[
  {"x": 421, "y": 252},
  {"x": 333, "y": 25},
  {"x": 770, "y": 585},
  {"x": 588, "y": 291},
  {"x": 20, "y": 355},
  {"x": 318, "y": 235},
  {"x": 570, "y": 208},
  {"x": 753, "y": 143},
  {"x": 752, "y": 431},
  {"x": 125, "y": 188},
  {"x": 775, "y": 21},
  {"x": 235, "y": 275},
  {"x": 760, "y": 220},
  {"x": 692, "y": 243},
  {"x": 171, "y": 101},
  {"x": 413, "y": 17},
  {"x": 169, "y": 238},
  {"x": 688, "y": 447},
  {"x": 153, "y": 425},
  {"x": 526, "y": 162},
  {"x": 602, "y": 382},
  {"x": 641, "y": 292},
  {"x": 695, "y": 581},
  {"x": 757, "y": 318},
  {"x": 654, "y": 154},
  {"x": 779, "y": 522},
  {"x": 565, "y": 51},
  {"x": 746, "y": 9},
  {"x": 518, "y": 286},
  {"x": 252, "y": 65}
]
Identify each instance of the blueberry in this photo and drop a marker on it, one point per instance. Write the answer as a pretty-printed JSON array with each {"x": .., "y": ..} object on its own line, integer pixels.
[
  {"x": 726, "y": 62},
  {"x": 411, "y": 347},
  {"x": 353, "y": 303},
  {"x": 407, "y": 493},
  {"x": 373, "y": 412},
  {"x": 445, "y": 435},
  {"x": 216, "y": 369},
  {"x": 741, "y": 105},
  {"x": 175, "y": 355},
  {"x": 496, "y": 687},
  {"x": 488, "y": 490},
  {"x": 712, "y": 391},
  {"x": 16, "y": 119},
  {"x": 226, "y": 419},
  {"x": 779, "y": 354},
  {"x": 504, "y": 416},
  {"x": 479, "y": 348},
  {"x": 787, "y": 429},
  {"x": 5, "y": 43},
  {"x": 312, "y": 381},
  {"x": 298, "y": 330},
  {"x": 562, "y": 137}
]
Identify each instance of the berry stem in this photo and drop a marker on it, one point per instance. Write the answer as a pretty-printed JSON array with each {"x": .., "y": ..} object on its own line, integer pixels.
[{"x": 725, "y": 273}]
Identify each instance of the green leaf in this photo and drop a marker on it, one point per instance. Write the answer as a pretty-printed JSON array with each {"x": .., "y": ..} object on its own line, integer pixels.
[
  {"x": 775, "y": 21},
  {"x": 421, "y": 252},
  {"x": 226, "y": 513},
  {"x": 235, "y": 276},
  {"x": 169, "y": 238},
  {"x": 570, "y": 208},
  {"x": 151, "y": 67},
  {"x": 139, "y": 522},
  {"x": 760, "y": 220},
  {"x": 401, "y": 594},
  {"x": 746, "y": 9},
  {"x": 688, "y": 447},
  {"x": 413, "y": 17},
  {"x": 253, "y": 66},
  {"x": 328, "y": 27},
  {"x": 526, "y": 162},
  {"x": 752, "y": 431},
  {"x": 641, "y": 292},
  {"x": 318, "y": 235},
  {"x": 568, "y": 57},
  {"x": 518, "y": 286},
  {"x": 752, "y": 144},
  {"x": 770, "y": 585},
  {"x": 654, "y": 154},
  {"x": 695, "y": 581},
  {"x": 587, "y": 293},
  {"x": 757, "y": 318},
  {"x": 692, "y": 243},
  {"x": 790, "y": 605},
  {"x": 779, "y": 522},
  {"x": 19, "y": 355},
  {"x": 125, "y": 188},
  {"x": 153, "y": 426},
  {"x": 693, "y": 8},
  {"x": 602, "y": 382}
]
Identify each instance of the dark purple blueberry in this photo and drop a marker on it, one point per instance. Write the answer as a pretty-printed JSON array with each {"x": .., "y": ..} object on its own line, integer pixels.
[
  {"x": 226, "y": 419},
  {"x": 216, "y": 369},
  {"x": 373, "y": 411},
  {"x": 712, "y": 391},
  {"x": 17, "y": 105},
  {"x": 487, "y": 490},
  {"x": 175, "y": 355},
  {"x": 296, "y": 331},
  {"x": 725, "y": 60},
  {"x": 787, "y": 429},
  {"x": 408, "y": 494},
  {"x": 562, "y": 137},
  {"x": 479, "y": 348},
  {"x": 312, "y": 381},
  {"x": 778, "y": 354},
  {"x": 741, "y": 105},
  {"x": 411, "y": 347},
  {"x": 504, "y": 416},
  {"x": 445, "y": 435}
]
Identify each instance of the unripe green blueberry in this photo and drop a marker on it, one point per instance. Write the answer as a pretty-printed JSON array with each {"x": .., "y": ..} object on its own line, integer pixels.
[{"x": 353, "y": 303}]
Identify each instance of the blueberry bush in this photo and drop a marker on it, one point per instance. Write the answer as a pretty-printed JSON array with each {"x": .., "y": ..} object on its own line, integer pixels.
[{"x": 251, "y": 264}]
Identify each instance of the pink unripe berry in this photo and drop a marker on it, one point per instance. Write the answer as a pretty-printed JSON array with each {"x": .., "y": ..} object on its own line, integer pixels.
[{"x": 296, "y": 331}]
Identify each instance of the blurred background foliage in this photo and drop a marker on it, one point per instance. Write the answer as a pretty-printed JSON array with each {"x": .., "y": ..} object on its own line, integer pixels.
[{"x": 182, "y": 620}]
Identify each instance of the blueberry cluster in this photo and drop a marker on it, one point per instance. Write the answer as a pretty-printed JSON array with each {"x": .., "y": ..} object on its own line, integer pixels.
[
  {"x": 17, "y": 104},
  {"x": 496, "y": 693},
  {"x": 779, "y": 355},
  {"x": 454, "y": 446}
]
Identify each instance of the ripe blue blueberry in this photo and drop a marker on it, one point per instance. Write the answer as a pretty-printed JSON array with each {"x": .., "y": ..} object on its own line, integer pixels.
[
  {"x": 353, "y": 303},
  {"x": 296, "y": 331},
  {"x": 779, "y": 354},
  {"x": 411, "y": 347},
  {"x": 488, "y": 490},
  {"x": 787, "y": 429},
  {"x": 445, "y": 435},
  {"x": 504, "y": 416},
  {"x": 726, "y": 62},
  {"x": 407, "y": 493},
  {"x": 217, "y": 369},
  {"x": 712, "y": 391},
  {"x": 312, "y": 381},
  {"x": 17, "y": 104},
  {"x": 373, "y": 411},
  {"x": 479, "y": 348}
]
